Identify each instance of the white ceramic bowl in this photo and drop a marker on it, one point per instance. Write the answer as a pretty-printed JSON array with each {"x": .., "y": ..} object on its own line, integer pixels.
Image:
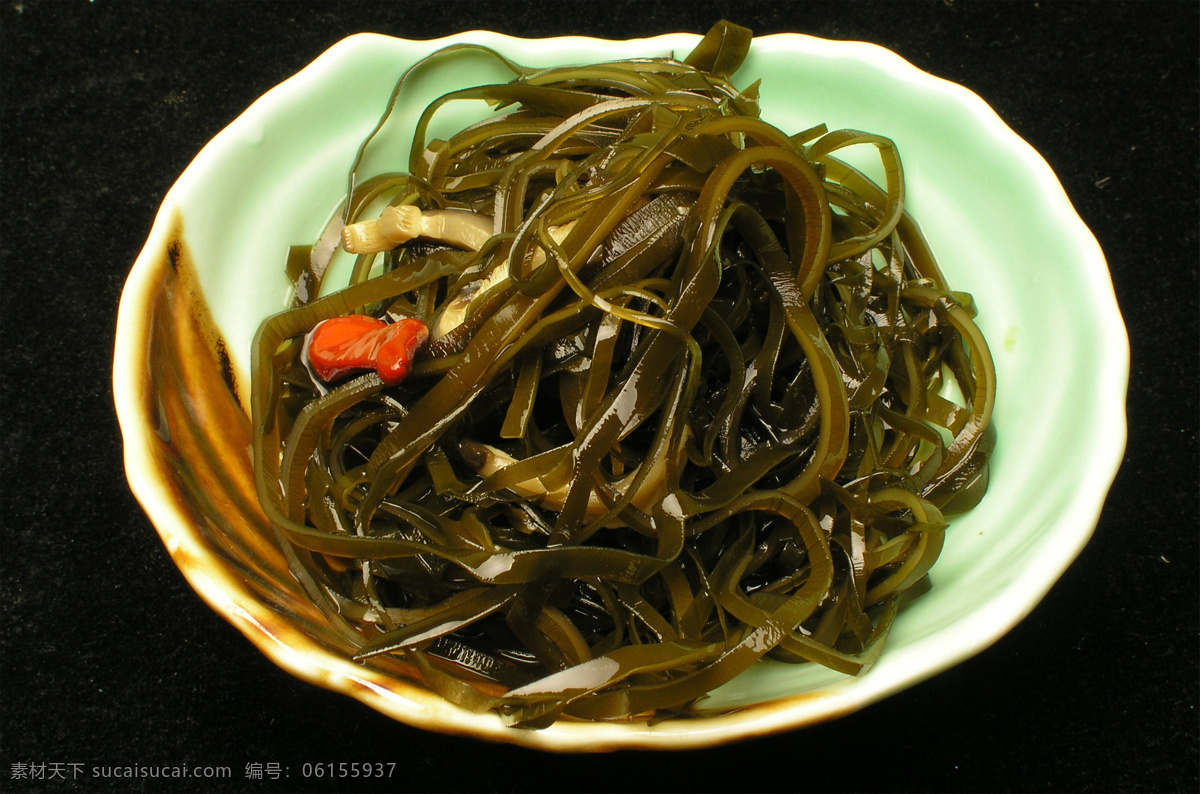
[{"x": 996, "y": 216}]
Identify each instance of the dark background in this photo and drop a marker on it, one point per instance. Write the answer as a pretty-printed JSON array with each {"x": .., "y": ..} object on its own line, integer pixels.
[{"x": 110, "y": 659}]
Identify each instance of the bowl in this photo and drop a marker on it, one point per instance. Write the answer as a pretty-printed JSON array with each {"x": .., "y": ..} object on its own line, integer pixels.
[{"x": 994, "y": 213}]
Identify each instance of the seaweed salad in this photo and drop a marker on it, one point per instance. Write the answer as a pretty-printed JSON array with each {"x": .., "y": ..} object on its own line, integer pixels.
[{"x": 628, "y": 390}]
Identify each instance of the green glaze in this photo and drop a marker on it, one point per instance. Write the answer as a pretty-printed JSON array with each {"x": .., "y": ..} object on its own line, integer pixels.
[{"x": 995, "y": 215}]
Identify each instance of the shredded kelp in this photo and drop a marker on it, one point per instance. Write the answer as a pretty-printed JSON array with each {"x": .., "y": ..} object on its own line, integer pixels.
[{"x": 683, "y": 407}]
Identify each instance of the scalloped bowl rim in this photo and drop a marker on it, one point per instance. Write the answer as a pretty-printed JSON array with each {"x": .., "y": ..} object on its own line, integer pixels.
[{"x": 307, "y": 660}]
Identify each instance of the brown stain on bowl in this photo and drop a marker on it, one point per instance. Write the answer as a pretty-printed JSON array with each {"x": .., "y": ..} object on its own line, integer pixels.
[
  {"x": 201, "y": 456},
  {"x": 203, "y": 449}
]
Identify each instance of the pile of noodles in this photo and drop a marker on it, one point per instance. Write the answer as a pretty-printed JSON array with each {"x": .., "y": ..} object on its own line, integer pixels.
[{"x": 719, "y": 399}]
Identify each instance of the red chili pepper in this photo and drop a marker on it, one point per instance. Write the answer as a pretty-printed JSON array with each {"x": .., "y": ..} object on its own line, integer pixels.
[{"x": 342, "y": 345}]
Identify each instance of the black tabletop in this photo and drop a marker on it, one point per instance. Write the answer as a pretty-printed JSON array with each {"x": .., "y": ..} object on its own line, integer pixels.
[{"x": 111, "y": 661}]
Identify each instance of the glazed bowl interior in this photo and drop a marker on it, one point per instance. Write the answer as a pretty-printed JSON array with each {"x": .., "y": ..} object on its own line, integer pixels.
[{"x": 994, "y": 213}]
